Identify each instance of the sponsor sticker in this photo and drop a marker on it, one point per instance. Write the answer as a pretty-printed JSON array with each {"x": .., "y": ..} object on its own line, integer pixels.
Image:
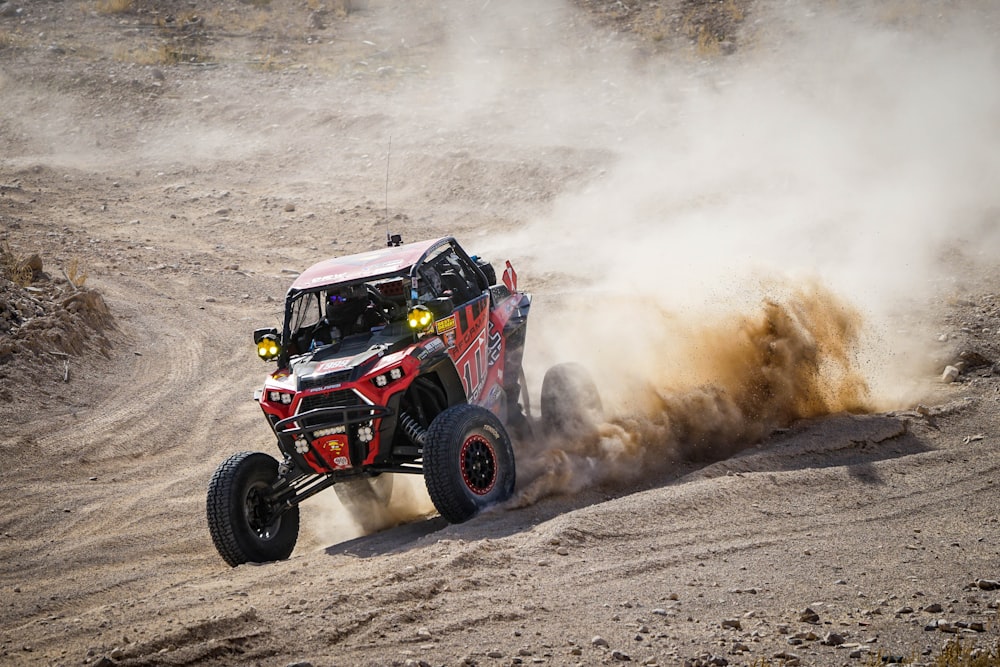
[
  {"x": 434, "y": 345},
  {"x": 341, "y": 461},
  {"x": 492, "y": 431},
  {"x": 334, "y": 444},
  {"x": 332, "y": 365},
  {"x": 496, "y": 345},
  {"x": 446, "y": 324}
]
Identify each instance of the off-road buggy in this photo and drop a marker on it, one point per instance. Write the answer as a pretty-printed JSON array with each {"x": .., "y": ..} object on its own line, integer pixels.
[{"x": 405, "y": 359}]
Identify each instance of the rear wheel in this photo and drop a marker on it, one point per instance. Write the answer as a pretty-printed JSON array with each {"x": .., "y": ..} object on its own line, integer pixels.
[
  {"x": 241, "y": 516},
  {"x": 571, "y": 405},
  {"x": 468, "y": 462},
  {"x": 363, "y": 497}
]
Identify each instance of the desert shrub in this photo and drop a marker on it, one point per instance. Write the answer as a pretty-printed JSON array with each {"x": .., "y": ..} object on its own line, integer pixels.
[{"x": 14, "y": 267}]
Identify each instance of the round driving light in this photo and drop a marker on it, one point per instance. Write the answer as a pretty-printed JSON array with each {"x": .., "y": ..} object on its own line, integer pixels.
[{"x": 419, "y": 318}]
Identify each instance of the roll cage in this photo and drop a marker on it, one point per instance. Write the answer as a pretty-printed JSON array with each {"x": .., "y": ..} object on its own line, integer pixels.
[{"x": 443, "y": 271}]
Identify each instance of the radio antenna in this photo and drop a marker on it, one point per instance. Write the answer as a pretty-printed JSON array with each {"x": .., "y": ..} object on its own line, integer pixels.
[{"x": 388, "y": 236}]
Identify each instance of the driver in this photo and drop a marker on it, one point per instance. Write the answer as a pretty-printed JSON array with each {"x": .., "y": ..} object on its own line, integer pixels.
[{"x": 351, "y": 309}]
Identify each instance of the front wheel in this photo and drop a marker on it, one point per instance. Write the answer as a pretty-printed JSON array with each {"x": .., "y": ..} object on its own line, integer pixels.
[
  {"x": 468, "y": 462},
  {"x": 241, "y": 517}
]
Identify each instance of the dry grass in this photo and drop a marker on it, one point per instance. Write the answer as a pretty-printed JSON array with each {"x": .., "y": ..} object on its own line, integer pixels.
[
  {"x": 707, "y": 44},
  {"x": 75, "y": 275},
  {"x": 11, "y": 39},
  {"x": 733, "y": 10},
  {"x": 955, "y": 654},
  {"x": 14, "y": 267},
  {"x": 113, "y": 6},
  {"x": 164, "y": 54},
  {"x": 249, "y": 21}
]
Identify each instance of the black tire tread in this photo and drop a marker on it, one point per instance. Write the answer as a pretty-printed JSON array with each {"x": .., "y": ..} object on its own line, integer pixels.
[
  {"x": 450, "y": 501},
  {"x": 218, "y": 508}
]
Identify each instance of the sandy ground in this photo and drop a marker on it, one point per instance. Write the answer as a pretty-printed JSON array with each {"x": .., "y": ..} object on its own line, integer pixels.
[{"x": 191, "y": 157}]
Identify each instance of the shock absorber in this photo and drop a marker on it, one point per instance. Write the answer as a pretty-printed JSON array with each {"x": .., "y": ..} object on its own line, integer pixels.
[{"x": 414, "y": 431}]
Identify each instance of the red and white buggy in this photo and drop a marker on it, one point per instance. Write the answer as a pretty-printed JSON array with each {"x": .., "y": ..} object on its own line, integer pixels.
[{"x": 405, "y": 359}]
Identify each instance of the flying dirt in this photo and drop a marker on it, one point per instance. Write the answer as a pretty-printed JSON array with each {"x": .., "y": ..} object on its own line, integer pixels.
[{"x": 709, "y": 391}]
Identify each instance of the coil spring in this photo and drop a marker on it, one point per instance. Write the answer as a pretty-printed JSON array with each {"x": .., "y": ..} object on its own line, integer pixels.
[{"x": 414, "y": 431}]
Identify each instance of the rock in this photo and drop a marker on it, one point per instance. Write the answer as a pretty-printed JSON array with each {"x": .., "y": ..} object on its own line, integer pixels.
[
  {"x": 424, "y": 633},
  {"x": 807, "y": 615},
  {"x": 904, "y": 610},
  {"x": 950, "y": 374},
  {"x": 988, "y": 584},
  {"x": 972, "y": 360},
  {"x": 600, "y": 641},
  {"x": 8, "y": 9},
  {"x": 856, "y": 654},
  {"x": 933, "y": 608},
  {"x": 495, "y": 654},
  {"x": 732, "y": 624},
  {"x": 832, "y": 639},
  {"x": 289, "y": 207},
  {"x": 300, "y": 663},
  {"x": 562, "y": 551},
  {"x": 620, "y": 656},
  {"x": 740, "y": 647},
  {"x": 789, "y": 659}
]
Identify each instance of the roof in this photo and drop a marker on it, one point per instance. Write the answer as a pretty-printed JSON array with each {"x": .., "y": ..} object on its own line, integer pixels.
[{"x": 362, "y": 265}]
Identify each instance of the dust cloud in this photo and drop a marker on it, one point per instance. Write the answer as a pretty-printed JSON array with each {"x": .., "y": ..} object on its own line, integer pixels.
[
  {"x": 337, "y": 522},
  {"x": 708, "y": 389},
  {"x": 755, "y": 250}
]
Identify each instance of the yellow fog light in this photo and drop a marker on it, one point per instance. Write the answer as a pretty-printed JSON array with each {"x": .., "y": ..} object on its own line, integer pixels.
[
  {"x": 268, "y": 348},
  {"x": 420, "y": 318}
]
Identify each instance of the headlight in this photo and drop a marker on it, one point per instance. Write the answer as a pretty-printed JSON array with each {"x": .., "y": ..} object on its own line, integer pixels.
[
  {"x": 279, "y": 397},
  {"x": 382, "y": 380},
  {"x": 419, "y": 318}
]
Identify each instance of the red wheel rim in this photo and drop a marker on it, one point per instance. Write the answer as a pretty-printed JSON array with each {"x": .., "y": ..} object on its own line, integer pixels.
[{"x": 478, "y": 461}]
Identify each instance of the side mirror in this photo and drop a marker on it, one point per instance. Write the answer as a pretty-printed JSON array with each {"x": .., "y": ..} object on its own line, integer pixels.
[{"x": 271, "y": 332}]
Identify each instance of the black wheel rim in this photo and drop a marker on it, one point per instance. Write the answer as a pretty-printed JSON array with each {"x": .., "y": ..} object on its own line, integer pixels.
[
  {"x": 479, "y": 465},
  {"x": 257, "y": 510}
]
